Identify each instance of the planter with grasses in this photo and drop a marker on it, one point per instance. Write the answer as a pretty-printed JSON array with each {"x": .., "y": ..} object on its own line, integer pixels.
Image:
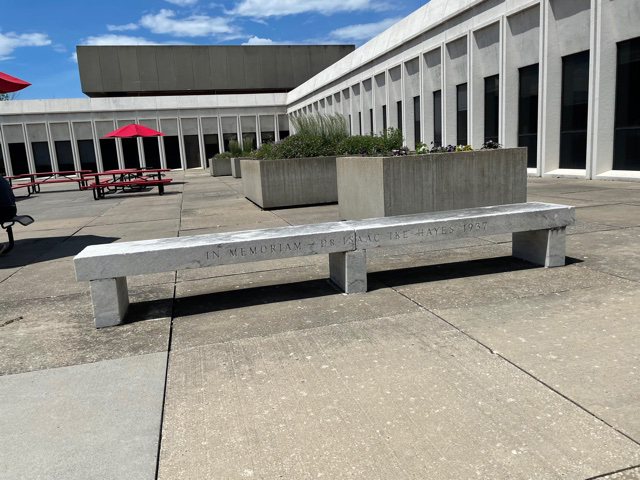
[{"x": 370, "y": 187}]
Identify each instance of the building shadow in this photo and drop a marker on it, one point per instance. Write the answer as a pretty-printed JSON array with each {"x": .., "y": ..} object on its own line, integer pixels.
[{"x": 29, "y": 251}]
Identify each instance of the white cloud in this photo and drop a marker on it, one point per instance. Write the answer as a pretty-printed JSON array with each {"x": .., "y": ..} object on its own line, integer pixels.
[
  {"x": 111, "y": 39},
  {"x": 259, "y": 41},
  {"x": 10, "y": 41},
  {"x": 362, "y": 32},
  {"x": 276, "y": 8},
  {"x": 183, "y": 3},
  {"x": 122, "y": 28},
  {"x": 192, "y": 26},
  {"x": 59, "y": 48},
  {"x": 116, "y": 40}
]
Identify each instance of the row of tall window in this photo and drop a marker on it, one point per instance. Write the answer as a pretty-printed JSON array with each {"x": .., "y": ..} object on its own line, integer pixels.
[
  {"x": 574, "y": 110},
  {"x": 130, "y": 154}
]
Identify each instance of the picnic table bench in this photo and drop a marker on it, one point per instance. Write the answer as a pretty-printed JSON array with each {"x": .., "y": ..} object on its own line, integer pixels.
[
  {"x": 35, "y": 180},
  {"x": 538, "y": 236},
  {"x": 131, "y": 179}
]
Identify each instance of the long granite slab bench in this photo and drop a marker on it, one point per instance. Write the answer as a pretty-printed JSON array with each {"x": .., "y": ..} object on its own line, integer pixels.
[{"x": 538, "y": 236}]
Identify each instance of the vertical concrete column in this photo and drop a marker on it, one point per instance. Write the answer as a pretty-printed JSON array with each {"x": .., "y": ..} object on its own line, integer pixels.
[
  {"x": 52, "y": 149},
  {"x": 348, "y": 270},
  {"x": 96, "y": 147},
  {"x": 141, "y": 156},
  {"x": 201, "y": 147},
  {"x": 29, "y": 149},
  {"x": 594, "y": 78},
  {"x": 74, "y": 147},
  {"x": 5, "y": 150},
  {"x": 110, "y": 300},
  {"x": 542, "y": 247}
]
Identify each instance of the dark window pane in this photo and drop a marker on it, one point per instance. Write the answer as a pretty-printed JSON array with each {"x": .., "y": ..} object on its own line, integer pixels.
[
  {"x": 151, "y": 152},
  {"x": 384, "y": 118},
  {"x": 491, "y": 108},
  {"x": 18, "y": 155},
  {"x": 399, "y": 112},
  {"x": 191, "y": 151},
  {"x": 172, "y": 151},
  {"x": 575, "y": 105},
  {"x": 371, "y": 121},
  {"x": 251, "y": 139},
  {"x": 108, "y": 152},
  {"x": 283, "y": 134},
  {"x": 226, "y": 138},
  {"x": 528, "y": 113},
  {"x": 626, "y": 150},
  {"x": 461, "y": 116},
  {"x": 268, "y": 137},
  {"x": 211, "y": 147},
  {"x": 41, "y": 156},
  {"x": 437, "y": 118},
  {"x": 130, "y": 153},
  {"x": 416, "y": 119},
  {"x": 87, "y": 155}
]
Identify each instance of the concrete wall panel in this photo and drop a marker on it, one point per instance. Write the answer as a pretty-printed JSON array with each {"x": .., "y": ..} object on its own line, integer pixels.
[
  {"x": 184, "y": 70},
  {"x": 111, "y": 77},
  {"x": 219, "y": 70},
  {"x": 60, "y": 131},
  {"x": 167, "y": 79},
  {"x": 129, "y": 69},
  {"x": 148, "y": 69}
]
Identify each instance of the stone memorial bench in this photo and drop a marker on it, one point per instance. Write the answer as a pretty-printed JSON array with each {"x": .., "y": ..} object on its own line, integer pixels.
[{"x": 538, "y": 236}]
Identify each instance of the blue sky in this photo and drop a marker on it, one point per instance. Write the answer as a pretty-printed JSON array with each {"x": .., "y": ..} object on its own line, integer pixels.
[{"x": 38, "y": 37}]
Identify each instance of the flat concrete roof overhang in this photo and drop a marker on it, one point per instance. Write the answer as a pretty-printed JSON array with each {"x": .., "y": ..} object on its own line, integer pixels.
[{"x": 149, "y": 70}]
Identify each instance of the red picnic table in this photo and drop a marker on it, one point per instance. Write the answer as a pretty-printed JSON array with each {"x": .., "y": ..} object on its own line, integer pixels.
[
  {"x": 39, "y": 178},
  {"x": 128, "y": 179}
]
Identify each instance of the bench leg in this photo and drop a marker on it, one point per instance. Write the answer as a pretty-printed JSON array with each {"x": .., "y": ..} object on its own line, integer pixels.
[
  {"x": 543, "y": 247},
  {"x": 110, "y": 299},
  {"x": 348, "y": 270}
]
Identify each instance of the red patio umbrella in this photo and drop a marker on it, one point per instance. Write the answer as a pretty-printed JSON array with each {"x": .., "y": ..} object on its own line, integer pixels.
[
  {"x": 10, "y": 84},
  {"x": 133, "y": 130}
]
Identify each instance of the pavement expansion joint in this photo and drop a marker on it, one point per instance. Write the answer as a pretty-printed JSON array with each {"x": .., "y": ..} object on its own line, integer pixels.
[
  {"x": 608, "y": 474},
  {"x": 498, "y": 354}
]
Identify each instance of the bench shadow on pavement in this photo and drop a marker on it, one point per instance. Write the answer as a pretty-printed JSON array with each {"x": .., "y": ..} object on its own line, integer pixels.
[
  {"x": 250, "y": 297},
  {"x": 449, "y": 271}
]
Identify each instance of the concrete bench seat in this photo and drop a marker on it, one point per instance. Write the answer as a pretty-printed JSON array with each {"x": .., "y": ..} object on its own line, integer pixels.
[{"x": 538, "y": 236}]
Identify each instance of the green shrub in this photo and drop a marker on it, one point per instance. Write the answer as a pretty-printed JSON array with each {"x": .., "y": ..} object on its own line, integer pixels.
[
  {"x": 393, "y": 139},
  {"x": 296, "y": 146},
  {"x": 235, "y": 149},
  {"x": 330, "y": 138},
  {"x": 223, "y": 155}
]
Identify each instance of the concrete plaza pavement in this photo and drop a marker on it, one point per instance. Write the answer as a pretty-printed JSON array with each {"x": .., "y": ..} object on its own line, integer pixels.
[{"x": 460, "y": 362}]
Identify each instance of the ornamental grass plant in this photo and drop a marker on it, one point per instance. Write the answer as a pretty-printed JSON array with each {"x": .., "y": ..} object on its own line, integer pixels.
[{"x": 328, "y": 135}]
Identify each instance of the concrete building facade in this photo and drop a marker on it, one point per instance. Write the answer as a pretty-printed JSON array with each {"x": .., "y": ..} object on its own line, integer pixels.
[{"x": 557, "y": 76}]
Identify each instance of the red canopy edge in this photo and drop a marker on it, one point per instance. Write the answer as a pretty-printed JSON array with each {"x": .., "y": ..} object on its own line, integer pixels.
[
  {"x": 10, "y": 84},
  {"x": 134, "y": 130}
]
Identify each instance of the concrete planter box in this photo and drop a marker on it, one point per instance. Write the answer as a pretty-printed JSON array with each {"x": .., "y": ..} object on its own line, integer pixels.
[
  {"x": 370, "y": 187},
  {"x": 290, "y": 182},
  {"x": 236, "y": 168},
  {"x": 220, "y": 167}
]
